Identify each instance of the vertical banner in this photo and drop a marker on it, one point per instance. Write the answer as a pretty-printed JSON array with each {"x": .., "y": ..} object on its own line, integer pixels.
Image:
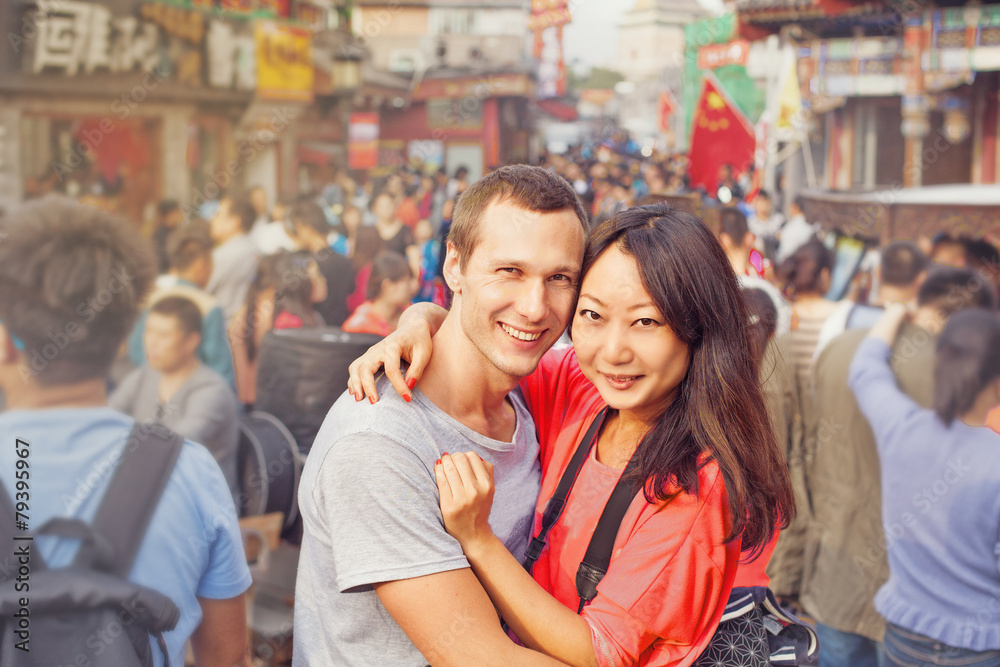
[
  {"x": 284, "y": 62},
  {"x": 362, "y": 141}
]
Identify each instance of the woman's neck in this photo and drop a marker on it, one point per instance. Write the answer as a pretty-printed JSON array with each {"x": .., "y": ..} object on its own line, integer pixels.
[
  {"x": 387, "y": 310},
  {"x": 620, "y": 437}
]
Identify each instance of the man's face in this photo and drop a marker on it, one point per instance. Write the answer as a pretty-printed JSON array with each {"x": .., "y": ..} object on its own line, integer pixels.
[
  {"x": 168, "y": 346},
  {"x": 517, "y": 290}
]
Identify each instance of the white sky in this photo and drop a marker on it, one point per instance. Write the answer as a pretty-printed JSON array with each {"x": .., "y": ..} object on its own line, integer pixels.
[{"x": 592, "y": 37}]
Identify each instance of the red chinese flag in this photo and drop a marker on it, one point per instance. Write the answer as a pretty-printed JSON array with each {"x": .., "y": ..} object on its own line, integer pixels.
[{"x": 720, "y": 135}]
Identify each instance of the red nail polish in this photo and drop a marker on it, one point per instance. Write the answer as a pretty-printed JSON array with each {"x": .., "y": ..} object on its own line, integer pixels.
[
  {"x": 438, "y": 462},
  {"x": 443, "y": 454},
  {"x": 407, "y": 398},
  {"x": 371, "y": 399},
  {"x": 411, "y": 383}
]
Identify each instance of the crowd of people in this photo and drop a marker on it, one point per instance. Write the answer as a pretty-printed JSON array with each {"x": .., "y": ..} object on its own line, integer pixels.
[{"x": 770, "y": 433}]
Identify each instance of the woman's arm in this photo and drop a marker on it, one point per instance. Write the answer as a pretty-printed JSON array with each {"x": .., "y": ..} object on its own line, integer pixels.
[
  {"x": 411, "y": 342},
  {"x": 872, "y": 380},
  {"x": 667, "y": 586},
  {"x": 539, "y": 620}
]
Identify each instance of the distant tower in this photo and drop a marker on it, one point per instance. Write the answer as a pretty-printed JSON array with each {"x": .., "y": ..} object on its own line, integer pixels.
[{"x": 546, "y": 23}]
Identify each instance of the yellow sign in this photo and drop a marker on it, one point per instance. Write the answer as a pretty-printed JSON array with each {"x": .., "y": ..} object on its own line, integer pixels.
[{"x": 284, "y": 62}]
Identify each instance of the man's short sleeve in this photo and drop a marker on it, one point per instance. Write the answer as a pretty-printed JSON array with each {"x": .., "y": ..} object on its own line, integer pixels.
[
  {"x": 379, "y": 500},
  {"x": 227, "y": 574}
]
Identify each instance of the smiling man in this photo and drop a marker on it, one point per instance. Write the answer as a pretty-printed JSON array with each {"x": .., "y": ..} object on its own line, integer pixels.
[{"x": 380, "y": 581}]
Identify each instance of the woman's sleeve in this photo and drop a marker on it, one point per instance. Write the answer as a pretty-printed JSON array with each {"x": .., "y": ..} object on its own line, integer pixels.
[
  {"x": 874, "y": 386},
  {"x": 550, "y": 391},
  {"x": 667, "y": 586}
]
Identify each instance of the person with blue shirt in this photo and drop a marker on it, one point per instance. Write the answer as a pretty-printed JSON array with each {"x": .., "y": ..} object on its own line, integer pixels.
[
  {"x": 71, "y": 281},
  {"x": 190, "y": 252},
  {"x": 940, "y": 493}
]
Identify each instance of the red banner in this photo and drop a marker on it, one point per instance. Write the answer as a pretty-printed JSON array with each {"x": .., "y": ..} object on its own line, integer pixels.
[
  {"x": 362, "y": 141},
  {"x": 720, "y": 135}
]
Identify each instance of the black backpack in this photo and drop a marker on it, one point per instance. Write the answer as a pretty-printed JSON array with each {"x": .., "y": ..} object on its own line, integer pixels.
[
  {"x": 754, "y": 630},
  {"x": 89, "y": 613}
]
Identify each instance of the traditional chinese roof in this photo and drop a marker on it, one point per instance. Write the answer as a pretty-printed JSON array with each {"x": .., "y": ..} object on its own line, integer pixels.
[{"x": 771, "y": 11}]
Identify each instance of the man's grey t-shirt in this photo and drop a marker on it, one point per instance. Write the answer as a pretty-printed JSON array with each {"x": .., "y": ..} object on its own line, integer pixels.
[{"x": 370, "y": 507}]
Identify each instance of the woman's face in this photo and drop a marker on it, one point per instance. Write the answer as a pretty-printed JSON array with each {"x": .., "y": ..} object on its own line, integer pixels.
[
  {"x": 622, "y": 341},
  {"x": 351, "y": 219}
]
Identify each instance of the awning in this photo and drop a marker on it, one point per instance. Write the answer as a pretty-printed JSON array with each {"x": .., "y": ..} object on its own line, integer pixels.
[{"x": 557, "y": 109}]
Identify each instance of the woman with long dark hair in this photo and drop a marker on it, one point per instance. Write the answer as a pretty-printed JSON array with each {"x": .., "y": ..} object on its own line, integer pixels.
[
  {"x": 662, "y": 360},
  {"x": 940, "y": 493},
  {"x": 299, "y": 286},
  {"x": 252, "y": 321}
]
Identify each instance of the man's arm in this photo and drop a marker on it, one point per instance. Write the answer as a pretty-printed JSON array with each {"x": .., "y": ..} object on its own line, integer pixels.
[
  {"x": 450, "y": 619},
  {"x": 220, "y": 640}
]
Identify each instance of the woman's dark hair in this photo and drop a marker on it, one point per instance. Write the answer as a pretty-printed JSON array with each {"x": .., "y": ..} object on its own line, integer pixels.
[
  {"x": 367, "y": 244},
  {"x": 967, "y": 361},
  {"x": 264, "y": 278},
  {"x": 293, "y": 287},
  {"x": 718, "y": 407},
  {"x": 801, "y": 272},
  {"x": 386, "y": 266},
  {"x": 762, "y": 320}
]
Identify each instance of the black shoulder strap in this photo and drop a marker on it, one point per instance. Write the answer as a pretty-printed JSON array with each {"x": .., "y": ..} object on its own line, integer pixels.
[
  {"x": 598, "y": 556},
  {"x": 133, "y": 494},
  {"x": 556, "y": 503}
]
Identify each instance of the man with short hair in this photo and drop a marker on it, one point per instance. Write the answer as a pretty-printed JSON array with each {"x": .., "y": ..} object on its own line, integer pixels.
[
  {"x": 845, "y": 559},
  {"x": 901, "y": 271},
  {"x": 234, "y": 260},
  {"x": 310, "y": 233},
  {"x": 71, "y": 279},
  {"x": 190, "y": 252},
  {"x": 380, "y": 581},
  {"x": 737, "y": 241},
  {"x": 176, "y": 390}
]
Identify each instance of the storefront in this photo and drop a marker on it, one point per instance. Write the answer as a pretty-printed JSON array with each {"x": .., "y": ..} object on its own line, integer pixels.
[{"x": 123, "y": 108}]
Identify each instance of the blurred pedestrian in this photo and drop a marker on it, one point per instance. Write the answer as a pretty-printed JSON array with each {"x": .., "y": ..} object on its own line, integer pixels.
[
  {"x": 390, "y": 290},
  {"x": 252, "y": 321},
  {"x": 190, "y": 251},
  {"x": 939, "y": 602},
  {"x": 57, "y": 256},
  {"x": 299, "y": 286},
  {"x": 234, "y": 258},
  {"x": 176, "y": 390},
  {"x": 844, "y": 474}
]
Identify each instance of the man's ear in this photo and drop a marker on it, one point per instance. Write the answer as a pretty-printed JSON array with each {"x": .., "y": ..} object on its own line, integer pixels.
[
  {"x": 451, "y": 271},
  {"x": 8, "y": 351},
  {"x": 193, "y": 342}
]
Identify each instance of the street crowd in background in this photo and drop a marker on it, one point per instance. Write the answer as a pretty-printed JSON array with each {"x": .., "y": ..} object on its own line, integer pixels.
[{"x": 892, "y": 479}]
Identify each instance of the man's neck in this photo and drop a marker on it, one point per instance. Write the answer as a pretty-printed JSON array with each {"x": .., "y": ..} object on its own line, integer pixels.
[
  {"x": 171, "y": 381},
  {"x": 929, "y": 319},
  {"x": 465, "y": 385},
  {"x": 30, "y": 395},
  {"x": 740, "y": 259},
  {"x": 890, "y": 293}
]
